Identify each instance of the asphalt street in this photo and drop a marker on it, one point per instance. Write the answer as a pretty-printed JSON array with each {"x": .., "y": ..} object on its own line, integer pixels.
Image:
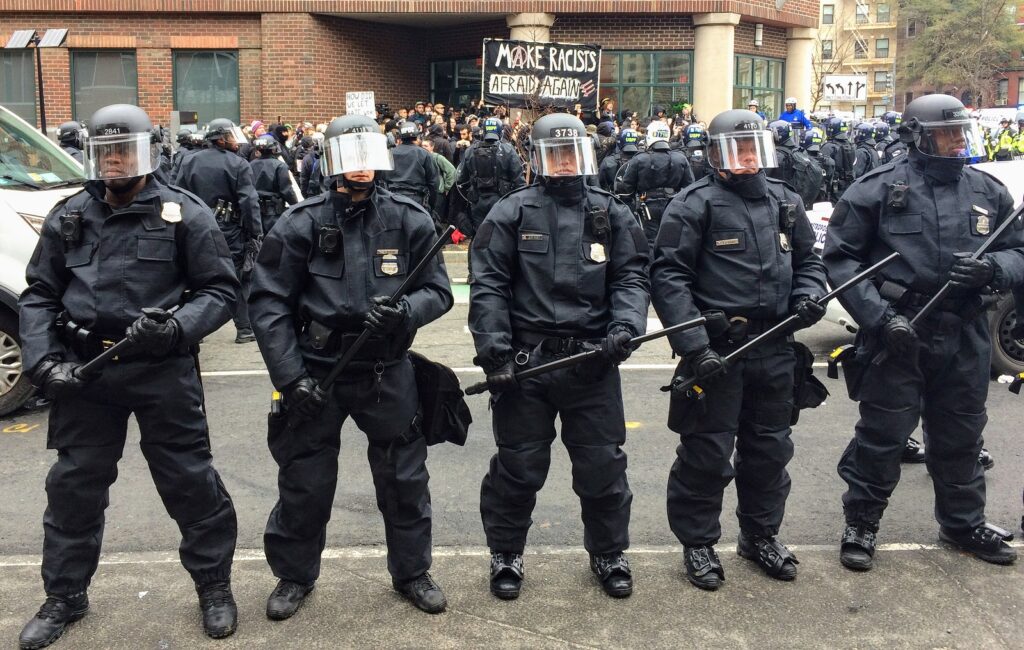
[{"x": 921, "y": 595}]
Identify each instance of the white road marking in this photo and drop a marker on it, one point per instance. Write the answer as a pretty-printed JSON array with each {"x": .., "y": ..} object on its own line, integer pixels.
[
  {"x": 355, "y": 552},
  {"x": 461, "y": 369}
]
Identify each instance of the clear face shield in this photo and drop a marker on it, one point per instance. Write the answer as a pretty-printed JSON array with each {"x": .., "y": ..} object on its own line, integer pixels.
[
  {"x": 356, "y": 152},
  {"x": 235, "y": 136},
  {"x": 128, "y": 155},
  {"x": 959, "y": 139},
  {"x": 564, "y": 157},
  {"x": 742, "y": 152}
]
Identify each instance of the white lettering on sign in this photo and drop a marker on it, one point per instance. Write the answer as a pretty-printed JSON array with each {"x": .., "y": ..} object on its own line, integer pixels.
[{"x": 525, "y": 84}]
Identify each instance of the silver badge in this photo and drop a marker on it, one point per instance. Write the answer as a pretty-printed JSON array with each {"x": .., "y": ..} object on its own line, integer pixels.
[
  {"x": 171, "y": 212},
  {"x": 389, "y": 265},
  {"x": 784, "y": 242},
  {"x": 984, "y": 226},
  {"x": 597, "y": 252}
]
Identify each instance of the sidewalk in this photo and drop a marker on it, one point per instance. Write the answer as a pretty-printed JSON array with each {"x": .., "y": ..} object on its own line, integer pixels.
[{"x": 916, "y": 597}]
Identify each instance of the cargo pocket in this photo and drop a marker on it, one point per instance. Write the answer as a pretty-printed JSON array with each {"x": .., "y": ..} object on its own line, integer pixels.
[{"x": 328, "y": 267}]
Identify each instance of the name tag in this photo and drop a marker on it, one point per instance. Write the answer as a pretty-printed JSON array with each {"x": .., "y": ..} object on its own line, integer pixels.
[{"x": 719, "y": 243}]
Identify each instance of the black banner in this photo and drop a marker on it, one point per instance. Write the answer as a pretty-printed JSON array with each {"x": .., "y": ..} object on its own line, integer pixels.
[{"x": 522, "y": 74}]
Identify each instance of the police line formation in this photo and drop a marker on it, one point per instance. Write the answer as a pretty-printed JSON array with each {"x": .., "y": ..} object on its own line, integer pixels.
[{"x": 712, "y": 232}]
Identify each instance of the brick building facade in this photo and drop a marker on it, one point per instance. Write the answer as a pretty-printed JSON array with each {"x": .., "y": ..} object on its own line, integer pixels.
[{"x": 295, "y": 59}]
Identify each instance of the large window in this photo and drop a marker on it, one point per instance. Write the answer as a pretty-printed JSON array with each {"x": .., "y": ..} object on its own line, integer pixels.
[
  {"x": 456, "y": 82},
  {"x": 828, "y": 13},
  {"x": 102, "y": 78},
  {"x": 882, "y": 12},
  {"x": 18, "y": 83},
  {"x": 639, "y": 81},
  {"x": 761, "y": 79},
  {"x": 826, "y": 50},
  {"x": 881, "y": 81},
  {"x": 207, "y": 82},
  {"x": 1003, "y": 92},
  {"x": 861, "y": 14},
  {"x": 881, "y": 48},
  {"x": 860, "y": 49}
]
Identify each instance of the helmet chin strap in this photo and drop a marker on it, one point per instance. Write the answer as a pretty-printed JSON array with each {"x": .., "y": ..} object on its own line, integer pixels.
[{"x": 357, "y": 186}]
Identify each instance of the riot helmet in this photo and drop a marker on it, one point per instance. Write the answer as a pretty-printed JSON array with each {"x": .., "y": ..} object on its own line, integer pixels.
[
  {"x": 267, "y": 145},
  {"x": 628, "y": 141},
  {"x": 781, "y": 131},
  {"x": 184, "y": 137},
  {"x": 226, "y": 132},
  {"x": 939, "y": 126},
  {"x": 120, "y": 144},
  {"x": 561, "y": 148},
  {"x": 695, "y": 136},
  {"x": 892, "y": 118},
  {"x": 812, "y": 140},
  {"x": 492, "y": 129},
  {"x": 739, "y": 143},
  {"x": 70, "y": 133},
  {"x": 881, "y": 130},
  {"x": 791, "y": 101},
  {"x": 658, "y": 134},
  {"x": 407, "y": 131},
  {"x": 864, "y": 132},
  {"x": 835, "y": 127},
  {"x": 354, "y": 143}
]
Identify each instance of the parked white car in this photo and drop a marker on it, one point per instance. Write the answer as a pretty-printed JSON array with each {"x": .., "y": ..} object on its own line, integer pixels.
[
  {"x": 1007, "y": 352},
  {"x": 34, "y": 175}
]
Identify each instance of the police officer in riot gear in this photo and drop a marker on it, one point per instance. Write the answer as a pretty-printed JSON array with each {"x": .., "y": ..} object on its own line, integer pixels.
[
  {"x": 123, "y": 244},
  {"x": 70, "y": 137},
  {"x": 812, "y": 144},
  {"x": 841, "y": 151},
  {"x": 324, "y": 274},
  {"x": 224, "y": 181},
  {"x": 272, "y": 180},
  {"x": 695, "y": 141},
  {"x": 891, "y": 146},
  {"x": 488, "y": 171},
  {"x": 415, "y": 174},
  {"x": 867, "y": 157},
  {"x": 610, "y": 166},
  {"x": 560, "y": 267},
  {"x": 710, "y": 250},
  {"x": 185, "y": 146},
  {"x": 934, "y": 210},
  {"x": 653, "y": 177}
]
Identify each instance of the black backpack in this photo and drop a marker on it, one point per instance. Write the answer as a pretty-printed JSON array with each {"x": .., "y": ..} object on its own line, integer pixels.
[
  {"x": 485, "y": 164},
  {"x": 807, "y": 176},
  {"x": 847, "y": 159}
]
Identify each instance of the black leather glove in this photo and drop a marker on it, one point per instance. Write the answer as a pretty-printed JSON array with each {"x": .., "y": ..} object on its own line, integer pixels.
[
  {"x": 382, "y": 319},
  {"x": 617, "y": 346},
  {"x": 899, "y": 336},
  {"x": 61, "y": 380},
  {"x": 153, "y": 336},
  {"x": 502, "y": 378},
  {"x": 304, "y": 399},
  {"x": 967, "y": 273},
  {"x": 707, "y": 364},
  {"x": 808, "y": 311}
]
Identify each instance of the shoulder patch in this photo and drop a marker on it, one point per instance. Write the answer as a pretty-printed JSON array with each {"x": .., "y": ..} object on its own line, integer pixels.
[
  {"x": 483, "y": 235},
  {"x": 640, "y": 239},
  {"x": 219, "y": 243},
  {"x": 693, "y": 187},
  {"x": 270, "y": 252}
]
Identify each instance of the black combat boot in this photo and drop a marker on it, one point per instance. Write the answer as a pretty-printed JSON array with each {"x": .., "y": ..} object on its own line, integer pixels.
[
  {"x": 423, "y": 592},
  {"x": 985, "y": 459},
  {"x": 220, "y": 614},
  {"x": 52, "y": 619},
  {"x": 507, "y": 572},
  {"x": 613, "y": 571},
  {"x": 284, "y": 601},
  {"x": 770, "y": 554},
  {"x": 703, "y": 568},
  {"x": 986, "y": 542},
  {"x": 857, "y": 547}
]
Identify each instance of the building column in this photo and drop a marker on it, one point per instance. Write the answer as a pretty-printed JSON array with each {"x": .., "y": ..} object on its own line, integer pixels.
[
  {"x": 530, "y": 27},
  {"x": 799, "y": 66},
  {"x": 714, "y": 62}
]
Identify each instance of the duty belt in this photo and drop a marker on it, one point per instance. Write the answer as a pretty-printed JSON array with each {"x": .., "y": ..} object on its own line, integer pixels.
[
  {"x": 660, "y": 193},
  {"x": 552, "y": 343},
  {"x": 906, "y": 300},
  {"x": 329, "y": 341},
  {"x": 87, "y": 344}
]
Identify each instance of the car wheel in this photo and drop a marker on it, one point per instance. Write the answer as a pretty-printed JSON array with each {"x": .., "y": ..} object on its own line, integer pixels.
[
  {"x": 15, "y": 388},
  {"x": 1007, "y": 352}
]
